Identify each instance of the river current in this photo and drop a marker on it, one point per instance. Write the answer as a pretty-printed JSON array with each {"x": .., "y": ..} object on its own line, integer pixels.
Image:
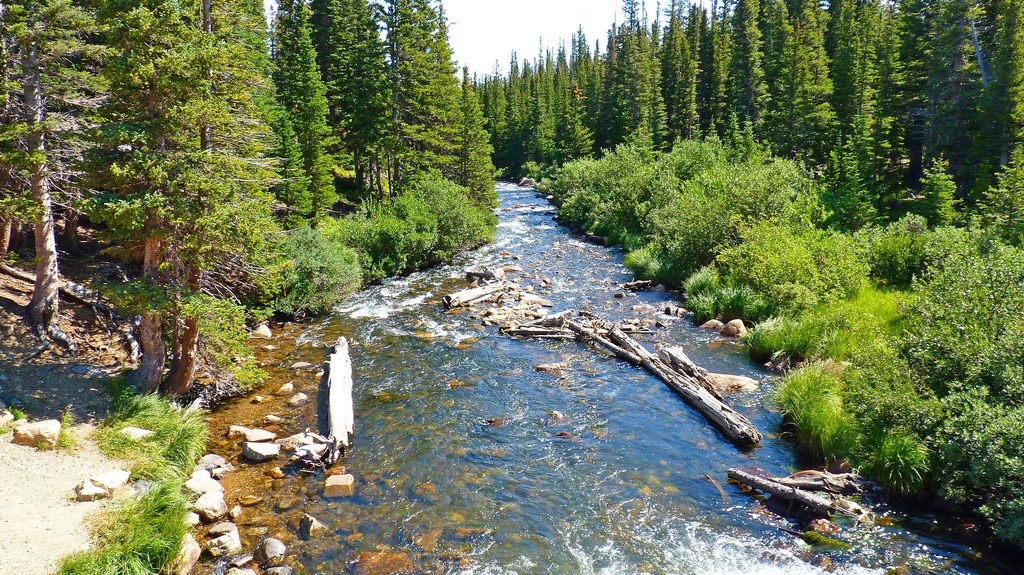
[{"x": 461, "y": 464}]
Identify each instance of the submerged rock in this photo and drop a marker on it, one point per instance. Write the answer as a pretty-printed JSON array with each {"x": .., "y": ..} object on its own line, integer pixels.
[
  {"x": 732, "y": 383},
  {"x": 311, "y": 528},
  {"x": 340, "y": 485},
  {"x": 385, "y": 563},
  {"x": 226, "y": 541},
  {"x": 271, "y": 551},
  {"x": 259, "y": 436}
]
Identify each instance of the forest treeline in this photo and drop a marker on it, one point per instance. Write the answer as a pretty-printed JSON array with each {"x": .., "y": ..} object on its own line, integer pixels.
[
  {"x": 238, "y": 169},
  {"x": 845, "y": 178},
  {"x": 876, "y": 91}
]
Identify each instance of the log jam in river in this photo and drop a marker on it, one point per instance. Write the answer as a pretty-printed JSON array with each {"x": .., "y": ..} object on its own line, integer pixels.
[{"x": 467, "y": 459}]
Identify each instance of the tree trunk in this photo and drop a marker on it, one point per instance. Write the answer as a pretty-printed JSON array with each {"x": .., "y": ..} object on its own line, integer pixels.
[
  {"x": 5, "y": 237},
  {"x": 179, "y": 380},
  {"x": 69, "y": 235},
  {"x": 14, "y": 244},
  {"x": 45, "y": 296},
  {"x": 151, "y": 330}
]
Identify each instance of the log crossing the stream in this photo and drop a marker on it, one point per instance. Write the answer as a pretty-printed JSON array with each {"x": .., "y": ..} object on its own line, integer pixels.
[{"x": 671, "y": 366}]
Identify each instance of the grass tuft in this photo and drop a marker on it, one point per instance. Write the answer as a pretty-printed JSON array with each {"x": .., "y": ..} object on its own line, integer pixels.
[
  {"x": 811, "y": 400},
  {"x": 900, "y": 464}
]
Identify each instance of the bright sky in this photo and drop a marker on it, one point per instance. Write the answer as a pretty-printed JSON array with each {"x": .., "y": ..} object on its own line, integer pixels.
[{"x": 485, "y": 31}]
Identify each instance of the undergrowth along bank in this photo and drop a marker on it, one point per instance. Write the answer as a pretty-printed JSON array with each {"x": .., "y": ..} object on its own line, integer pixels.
[
  {"x": 903, "y": 339},
  {"x": 142, "y": 534}
]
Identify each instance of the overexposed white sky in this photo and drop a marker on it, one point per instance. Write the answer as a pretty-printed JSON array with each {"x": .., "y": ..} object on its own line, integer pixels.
[{"x": 485, "y": 31}]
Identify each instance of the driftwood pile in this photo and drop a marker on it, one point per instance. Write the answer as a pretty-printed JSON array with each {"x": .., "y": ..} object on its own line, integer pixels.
[
  {"x": 819, "y": 491},
  {"x": 524, "y": 317}
]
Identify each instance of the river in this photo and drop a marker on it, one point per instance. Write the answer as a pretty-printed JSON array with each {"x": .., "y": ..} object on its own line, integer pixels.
[{"x": 461, "y": 465}]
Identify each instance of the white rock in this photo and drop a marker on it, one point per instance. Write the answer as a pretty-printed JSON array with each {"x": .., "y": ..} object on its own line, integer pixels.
[
  {"x": 211, "y": 507},
  {"x": 262, "y": 331},
  {"x": 285, "y": 389},
  {"x": 339, "y": 485},
  {"x": 239, "y": 571},
  {"x": 235, "y": 512},
  {"x": 211, "y": 461},
  {"x": 260, "y": 452},
  {"x": 187, "y": 557},
  {"x": 297, "y": 399},
  {"x": 202, "y": 483},
  {"x": 89, "y": 491},
  {"x": 227, "y": 544},
  {"x": 6, "y": 417},
  {"x": 192, "y": 519},
  {"x": 237, "y": 431},
  {"x": 111, "y": 480},
  {"x": 259, "y": 436},
  {"x": 220, "y": 472},
  {"x": 272, "y": 420},
  {"x": 34, "y": 434},
  {"x": 136, "y": 433},
  {"x": 271, "y": 551},
  {"x": 302, "y": 365}
]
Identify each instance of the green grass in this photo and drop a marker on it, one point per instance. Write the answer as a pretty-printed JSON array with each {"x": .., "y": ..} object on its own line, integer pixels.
[
  {"x": 142, "y": 535},
  {"x": 67, "y": 441},
  {"x": 900, "y": 463},
  {"x": 811, "y": 400},
  {"x": 833, "y": 331},
  {"x": 178, "y": 440},
  {"x": 139, "y": 536}
]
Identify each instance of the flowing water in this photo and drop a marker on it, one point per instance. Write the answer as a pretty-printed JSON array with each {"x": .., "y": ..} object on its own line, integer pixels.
[{"x": 461, "y": 465}]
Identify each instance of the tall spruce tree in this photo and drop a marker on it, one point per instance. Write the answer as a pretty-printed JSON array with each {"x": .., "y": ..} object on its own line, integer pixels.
[
  {"x": 303, "y": 95},
  {"x": 350, "y": 54},
  {"x": 748, "y": 89},
  {"x": 475, "y": 169},
  {"x": 181, "y": 165},
  {"x": 49, "y": 79}
]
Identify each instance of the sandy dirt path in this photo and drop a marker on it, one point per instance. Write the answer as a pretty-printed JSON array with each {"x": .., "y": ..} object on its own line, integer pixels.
[{"x": 39, "y": 520}]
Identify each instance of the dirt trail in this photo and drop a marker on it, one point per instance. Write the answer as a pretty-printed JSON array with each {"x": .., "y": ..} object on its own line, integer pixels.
[{"x": 39, "y": 520}]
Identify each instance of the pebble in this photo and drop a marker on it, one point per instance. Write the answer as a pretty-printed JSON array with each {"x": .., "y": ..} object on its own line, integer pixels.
[
  {"x": 340, "y": 485},
  {"x": 297, "y": 399},
  {"x": 285, "y": 389}
]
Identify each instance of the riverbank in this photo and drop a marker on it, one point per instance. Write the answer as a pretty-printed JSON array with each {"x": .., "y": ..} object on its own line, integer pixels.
[{"x": 904, "y": 334}]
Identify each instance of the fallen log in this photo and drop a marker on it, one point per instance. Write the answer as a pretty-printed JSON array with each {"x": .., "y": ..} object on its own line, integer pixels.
[
  {"x": 730, "y": 422},
  {"x": 822, "y": 505},
  {"x": 467, "y": 297},
  {"x": 340, "y": 417},
  {"x": 638, "y": 285},
  {"x": 676, "y": 359},
  {"x": 845, "y": 483}
]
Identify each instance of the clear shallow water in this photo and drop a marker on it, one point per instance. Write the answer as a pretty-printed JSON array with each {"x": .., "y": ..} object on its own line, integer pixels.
[{"x": 622, "y": 492}]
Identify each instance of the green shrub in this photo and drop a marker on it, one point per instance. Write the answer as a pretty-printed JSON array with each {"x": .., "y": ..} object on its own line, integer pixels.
[
  {"x": 320, "y": 274},
  {"x": 966, "y": 330},
  {"x": 431, "y": 221},
  {"x": 644, "y": 262},
  {"x": 811, "y": 400},
  {"x": 897, "y": 253},
  {"x": 774, "y": 257}
]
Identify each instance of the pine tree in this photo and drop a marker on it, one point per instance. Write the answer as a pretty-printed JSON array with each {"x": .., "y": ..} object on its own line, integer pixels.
[
  {"x": 181, "y": 163},
  {"x": 475, "y": 170},
  {"x": 808, "y": 87},
  {"x": 302, "y": 94},
  {"x": 350, "y": 55},
  {"x": 48, "y": 60},
  {"x": 749, "y": 92}
]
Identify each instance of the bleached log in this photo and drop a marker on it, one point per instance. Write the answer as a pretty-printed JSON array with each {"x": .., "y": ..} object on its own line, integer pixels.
[
  {"x": 340, "y": 416},
  {"x": 816, "y": 503},
  {"x": 813, "y": 480},
  {"x": 469, "y": 296},
  {"x": 676, "y": 359},
  {"x": 638, "y": 285}
]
